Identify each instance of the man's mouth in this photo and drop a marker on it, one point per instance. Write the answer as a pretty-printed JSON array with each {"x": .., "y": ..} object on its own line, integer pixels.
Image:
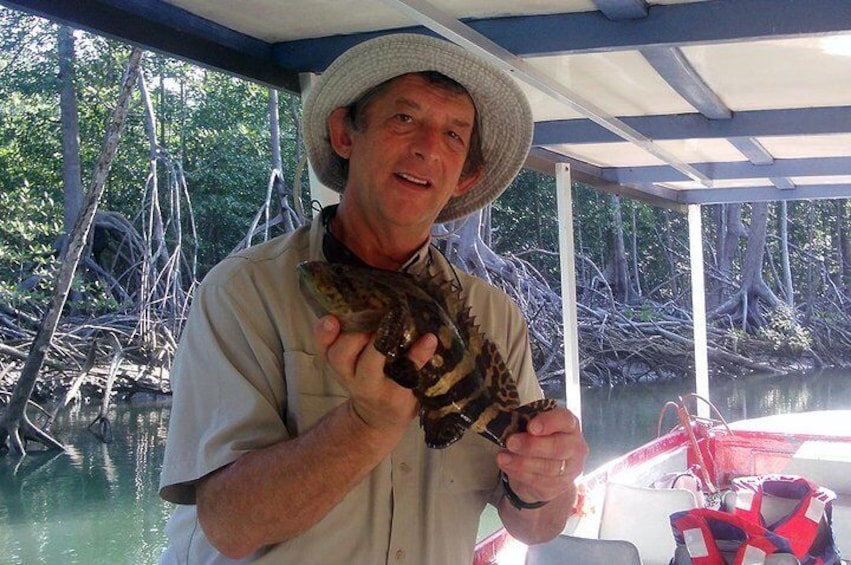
[{"x": 416, "y": 180}]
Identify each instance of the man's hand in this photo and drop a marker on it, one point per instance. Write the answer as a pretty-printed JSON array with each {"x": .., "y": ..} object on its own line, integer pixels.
[
  {"x": 544, "y": 462},
  {"x": 359, "y": 368}
]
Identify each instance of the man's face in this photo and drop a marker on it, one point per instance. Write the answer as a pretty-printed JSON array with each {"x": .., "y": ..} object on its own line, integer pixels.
[{"x": 406, "y": 162}]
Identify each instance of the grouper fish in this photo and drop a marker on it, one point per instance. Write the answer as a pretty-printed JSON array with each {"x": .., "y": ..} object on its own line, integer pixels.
[{"x": 466, "y": 384}]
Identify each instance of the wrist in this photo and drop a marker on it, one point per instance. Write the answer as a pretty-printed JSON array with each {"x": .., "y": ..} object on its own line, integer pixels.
[
  {"x": 377, "y": 436},
  {"x": 515, "y": 499}
]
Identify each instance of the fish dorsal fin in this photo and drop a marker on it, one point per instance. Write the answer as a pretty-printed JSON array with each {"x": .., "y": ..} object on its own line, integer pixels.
[{"x": 497, "y": 378}]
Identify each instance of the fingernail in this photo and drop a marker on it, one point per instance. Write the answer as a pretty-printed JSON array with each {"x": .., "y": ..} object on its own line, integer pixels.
[
  {"x": 535, "y": 427},
  {"x": 327, "y": 325},
  {"x": 514, "y": 443}
]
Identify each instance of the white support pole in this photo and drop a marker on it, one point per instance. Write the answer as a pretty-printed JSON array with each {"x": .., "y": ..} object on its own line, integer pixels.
[
  {"x": 698, "y": 302},
  {"x": 567, "y": 257},
  {"x": 318, "y": 191}
]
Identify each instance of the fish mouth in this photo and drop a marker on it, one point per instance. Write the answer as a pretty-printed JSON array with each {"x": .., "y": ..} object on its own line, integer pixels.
[
  {"x": 307, "y": 286},
  {"x": 315, "y": 306}
]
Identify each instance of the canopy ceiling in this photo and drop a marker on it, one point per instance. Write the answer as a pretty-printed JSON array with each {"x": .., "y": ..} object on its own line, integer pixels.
[{"x": 675, "y": 102}]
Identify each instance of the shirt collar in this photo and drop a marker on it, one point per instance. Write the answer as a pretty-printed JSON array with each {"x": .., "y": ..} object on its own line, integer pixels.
[{"x": 335, "y": 251}]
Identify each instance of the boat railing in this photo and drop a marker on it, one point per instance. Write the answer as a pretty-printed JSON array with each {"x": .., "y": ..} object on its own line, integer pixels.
[{"x": 693, "y": 426}]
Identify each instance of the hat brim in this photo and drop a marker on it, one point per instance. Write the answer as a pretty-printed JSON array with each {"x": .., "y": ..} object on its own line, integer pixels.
[{"x": 503, "y": 112}]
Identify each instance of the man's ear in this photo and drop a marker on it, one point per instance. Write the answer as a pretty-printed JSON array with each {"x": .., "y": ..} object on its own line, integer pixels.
[
  {"x": 467, "y": 182},
  {"x": 338, "y": 132}
]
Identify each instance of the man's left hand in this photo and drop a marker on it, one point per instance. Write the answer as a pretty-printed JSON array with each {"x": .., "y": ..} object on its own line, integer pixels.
[{"x": 544, "y": 462}]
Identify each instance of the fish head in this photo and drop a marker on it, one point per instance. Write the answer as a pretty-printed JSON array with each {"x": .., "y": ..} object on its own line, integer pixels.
[
  {"x": 315, "y": 281},
  {"x": 343, "y": 291}
]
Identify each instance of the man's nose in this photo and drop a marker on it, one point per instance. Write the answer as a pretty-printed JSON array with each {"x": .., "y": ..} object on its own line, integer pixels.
[{"x": 426, "y": 143}]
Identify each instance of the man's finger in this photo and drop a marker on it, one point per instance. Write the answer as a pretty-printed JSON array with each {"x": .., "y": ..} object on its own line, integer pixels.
[
  {"x": 423, "y": 350},
  {"x": 560, "y": 420},
  {"x": 326, "y": 330}
]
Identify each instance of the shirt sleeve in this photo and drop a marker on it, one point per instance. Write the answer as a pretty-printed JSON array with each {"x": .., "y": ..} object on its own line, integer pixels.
[{"x": 228, "y": 388}]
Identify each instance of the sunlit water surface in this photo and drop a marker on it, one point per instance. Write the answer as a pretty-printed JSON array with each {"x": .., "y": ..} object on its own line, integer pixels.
[{"x": 97, "y": 504}]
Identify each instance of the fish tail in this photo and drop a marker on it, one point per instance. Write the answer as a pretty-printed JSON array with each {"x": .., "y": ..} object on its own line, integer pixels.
[{"x": 515, "y": 420}]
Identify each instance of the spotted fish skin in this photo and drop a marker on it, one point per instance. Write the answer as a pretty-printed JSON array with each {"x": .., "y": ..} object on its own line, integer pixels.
[{"x": 466, "y": 384}]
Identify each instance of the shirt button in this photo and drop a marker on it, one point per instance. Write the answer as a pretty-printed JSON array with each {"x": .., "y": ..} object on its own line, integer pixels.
[
  {"x": 405, "y": 468},
  {"x": 400, "y": 555}
]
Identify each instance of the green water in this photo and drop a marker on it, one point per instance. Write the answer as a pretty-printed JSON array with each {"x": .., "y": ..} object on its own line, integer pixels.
[{"x": 97, "y": 504}]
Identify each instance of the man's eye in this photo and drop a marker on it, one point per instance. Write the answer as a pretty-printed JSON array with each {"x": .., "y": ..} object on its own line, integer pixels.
[
  {"x": 404, "y": 118},
  {"x": 456, "y": 136}
]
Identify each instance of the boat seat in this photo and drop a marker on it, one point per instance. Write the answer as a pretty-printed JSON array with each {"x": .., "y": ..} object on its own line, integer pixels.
[
  {"x": 641, "y": 515},
  {"x": 565, "y": 550},
  {"x": 826, "y": 463},
  {"x": 842, "y": 523}
]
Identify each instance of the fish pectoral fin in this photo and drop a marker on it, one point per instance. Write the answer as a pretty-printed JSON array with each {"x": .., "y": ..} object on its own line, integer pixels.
[
  {"x": 442, "y": 430},
  {"x": 364, "y": 321},
  {"x": 390, "y": 336},
  {"x": 403, "y": 371}
]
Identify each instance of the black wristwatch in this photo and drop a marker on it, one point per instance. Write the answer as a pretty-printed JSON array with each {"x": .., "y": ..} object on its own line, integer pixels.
[{"x": 515, "y": 500}]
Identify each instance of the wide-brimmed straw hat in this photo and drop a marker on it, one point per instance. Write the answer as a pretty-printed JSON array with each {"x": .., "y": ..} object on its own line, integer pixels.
[{"x": 503, "y": 113}]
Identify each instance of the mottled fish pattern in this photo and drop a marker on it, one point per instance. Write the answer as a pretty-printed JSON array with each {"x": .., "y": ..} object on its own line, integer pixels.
[{"x": 466, "y": 385}]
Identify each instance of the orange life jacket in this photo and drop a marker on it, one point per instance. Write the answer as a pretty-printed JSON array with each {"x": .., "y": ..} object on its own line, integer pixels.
[
  {"x": 701, "y": 530},
  {"x": 801, "y": 526}
]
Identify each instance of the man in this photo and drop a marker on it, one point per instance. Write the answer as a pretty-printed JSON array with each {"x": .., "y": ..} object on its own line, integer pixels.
[{"x": 287, "y": 443}]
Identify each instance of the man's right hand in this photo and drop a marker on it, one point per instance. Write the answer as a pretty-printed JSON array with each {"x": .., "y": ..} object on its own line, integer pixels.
[{"x": 359, "y": 368}]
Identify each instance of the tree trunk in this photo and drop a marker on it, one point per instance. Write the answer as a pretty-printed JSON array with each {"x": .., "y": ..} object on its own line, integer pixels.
[
  {"x": 618, "y": 262},
  {"x": 15, "y": 427},
  {"x": 582, "y": 277},
  {"x": 299, "y": 159},
  {"x": 155, "y": 230},
  {"x": 666, "y": 243},
  {"x": 636, "y": 271},
  {"x": 277, "y": 185},
  {"x": 752, "y": 288},
  {"x": 811, "y": 272},
  {"x": 752, "y": 263},
  {"x": 729, "y": 234},
  {"x": 72, "y": 184},
  {"x": 788, "y": 290},
  {"x": 101, "y": 426},
  {"x": 843, "y": 250},
  {"x": 69, "y": 126}
]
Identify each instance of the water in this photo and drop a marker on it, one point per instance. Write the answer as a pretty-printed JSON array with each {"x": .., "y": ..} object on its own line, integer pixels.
[
  {"x": 98, "y": 503},
  {"x": 619, "y": 419},
  {"x": 95, "y": 504}
]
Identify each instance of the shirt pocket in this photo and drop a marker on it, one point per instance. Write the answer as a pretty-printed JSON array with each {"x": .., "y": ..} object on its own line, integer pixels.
[
  {"x": 470, "y": 465},
  {"x": 311, "y": 391}
]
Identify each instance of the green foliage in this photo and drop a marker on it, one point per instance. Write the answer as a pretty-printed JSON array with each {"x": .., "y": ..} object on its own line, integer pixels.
[
  {"x": 30, "y": 221},
  {"x": 643, "y": 313},
  {"x": 29, "y": 146},
  {"x": 93, "y": 299},
  {"x": 213, "y": 125},
  {"x": 784, "y": 333},
  {"x": 525, "y": 223}
]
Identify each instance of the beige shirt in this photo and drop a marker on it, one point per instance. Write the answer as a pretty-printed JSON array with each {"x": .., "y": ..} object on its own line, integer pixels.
[{"x": 244, "y": 378}]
